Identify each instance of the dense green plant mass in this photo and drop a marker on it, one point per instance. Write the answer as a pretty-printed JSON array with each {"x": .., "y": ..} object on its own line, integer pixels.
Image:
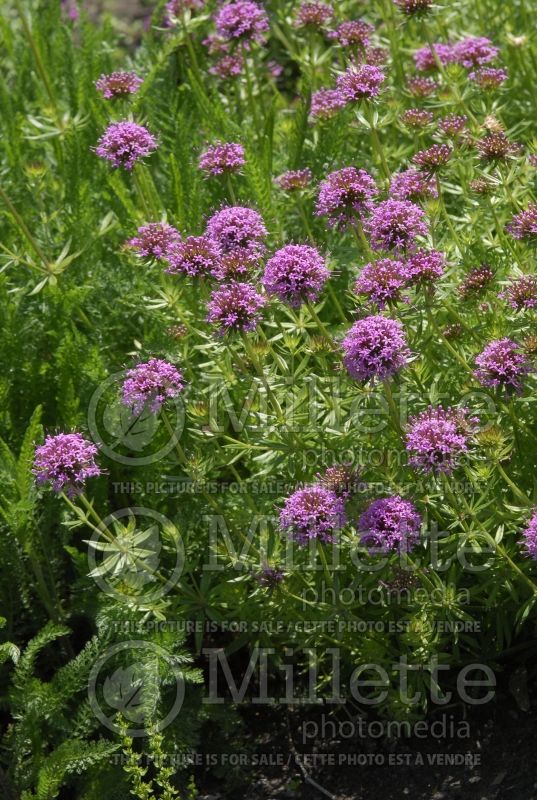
[{"x": 264, "y": 411}]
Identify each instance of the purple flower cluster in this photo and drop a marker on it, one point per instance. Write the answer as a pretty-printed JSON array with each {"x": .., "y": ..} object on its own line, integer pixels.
[
  {"x": 453, "y": 124},
  {"x": 118, "y": 84},
  {"x": 313, "y": 15},
  {"x": 390, "y": 524},
  {"x": 175, "y": 8},
  {"x": 361, "y": 82},
  {"x": 521, "y": 293},
  {"x": 426, "y": 60},
  {"x": 470, "y": 53},
  {"x": 530, "y": 537},
  {"x": 295, "y": 274},
  {"x": 238, "y": 229},
  {"x": 353, "y": 34},
  {"x": 294, "y": 179},
  {"x": 417, "y": 118},
  {"x": 476, "y": 281},
  {"x": 422, "y": 87},
  {"x": 382, "y": 281},
  {"x": 66, "y": 461},
  {"x": 344, "y": 194},
  {"x": 124, "y": 143},
  {"x": 502, "y": 365},
  {"x": 242, "y": 20},
  {"x": 524, "y": 224},
  {"x": 412, "y": 184},
  {"x": 150, "y": 384},
  {"x": 222, "y": 158},
  {"x": 313, "y": 512},
  {"x": 375, "y": 348},
  {"x": 433, "y": 158},
  {"x": 325, "y": 103},
  {"x": 488, "y": 78},
  {"x": 235, "y": 307},
  {"x": 414, "y": 7},
  {"x": 474, "y": 51},
  {"x": 342, "y": 479},
  {"x": 495, "y": 146},
  {"x": 395, "y": 225},
  {"x": 228, "y": 66},
  {"x": 426, "y": 266},
  {"x": 438, "y": 437},
  {"x": 196, "y": 255},
  {"x": 155, "y": 240}
]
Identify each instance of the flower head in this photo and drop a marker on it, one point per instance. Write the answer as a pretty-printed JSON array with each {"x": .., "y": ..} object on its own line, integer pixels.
[
  {"x": 453, "y": 124},
  {"x": 228, "y": 66},
  {"x": 118, "y": 84},
  {"x": 426, "y": 266},
  {"x": 382, "y": 281},
  {"x": 150, "y": 384},
  {"x": 375, "y": 348},
  {"x": 238, "y": 229},
  {"x": 476, "y": 281},
  {"x": 353, "y": 34},
  {"x": 313, "y": 513},
  {"x": 342, "y": 479},
  {"x": 325, "y": 103},
  {"x": 124, "y": 143},
  {"x": 521, "y": 293},
  {"x": 222, "y": 158},
  {"x": 434, "y": 158},
  {"x": 530, "y": 536},
  {"x": 412, "y": 184},
  {"x": 426, "y": 59},
  {"x": 496, "y": 146},
  {"x": 313, "y": 15},
  {"x": 294, "y": 179},
  {"x": 390, "y": 524},
  {"x": 175, "y": 8},
  {"x": 438, "y": 437},
  {"x": 488, "y": 78},
  {"x": 474, "y": 51},
  {"x": 296, "y": 274},
  {"x": 196, "y": 255},
  {"x": 360, "y": 83},
  {"x": 422, "y": 87},
  {"x": 413, "y": 7},
  {"x": 417, "y": 118},
  {"x": 154, "y": 240},
  {"x": 524, "y": 224},
  {"x": 66, "y": 460},
  {"x": 345, "y": 193},
  {"x": 501, "y": 364},
  {"x": 235, "y": 307},
  {"x": 395, "y": 225},
  {"x": 242, "y": 19}
]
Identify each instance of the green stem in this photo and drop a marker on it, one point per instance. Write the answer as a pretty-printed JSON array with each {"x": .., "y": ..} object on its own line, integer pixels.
[
  {"x": 394, "y": 413},
  {"x": 25, "y": 231},
  {"x": 322, "y": 328},
  {"x": 496, "y": 546},
  {"x": 40, "y": 66},
  {"x": 375, "y": 141},
  {"x": 259, "y": 369},
  {"x": 517, "y": 492}
]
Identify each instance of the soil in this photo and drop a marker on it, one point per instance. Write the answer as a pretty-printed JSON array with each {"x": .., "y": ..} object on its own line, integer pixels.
[{"x": 488, "y": 753}]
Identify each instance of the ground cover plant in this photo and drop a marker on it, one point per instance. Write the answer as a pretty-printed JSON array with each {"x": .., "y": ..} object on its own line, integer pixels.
[{"x": 268, "y": 347}]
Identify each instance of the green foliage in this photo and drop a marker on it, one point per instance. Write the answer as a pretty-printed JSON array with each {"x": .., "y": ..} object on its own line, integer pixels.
[{"x": 77, "y": 306}]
